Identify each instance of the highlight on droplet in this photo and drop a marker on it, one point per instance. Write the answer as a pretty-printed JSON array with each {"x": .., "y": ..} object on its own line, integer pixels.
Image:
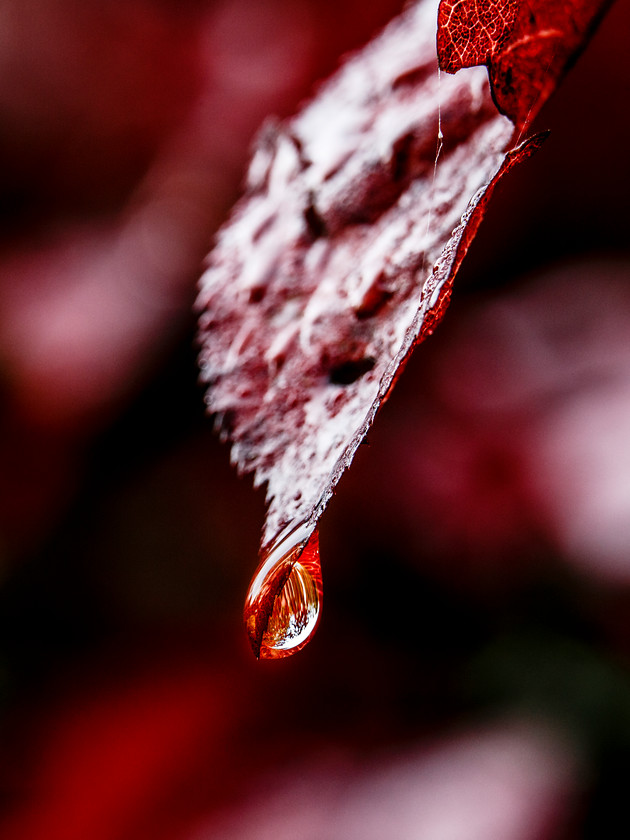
[{"x": 284, "y": 598}]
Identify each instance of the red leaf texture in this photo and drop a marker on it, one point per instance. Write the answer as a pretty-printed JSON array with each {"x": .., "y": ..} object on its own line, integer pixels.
[
  {"x": 527, "y": 45},
  {"x": 341, "y": 255}
]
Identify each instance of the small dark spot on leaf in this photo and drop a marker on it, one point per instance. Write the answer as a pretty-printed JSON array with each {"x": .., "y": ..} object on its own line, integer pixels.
[
  {"x": 299, "y": 147},
  {"x": 264, "y": 227},
  {"x": 401, "y": 154},
  {"x": 314, "y": 222},
  {"x": 374, "y": 299},
  {"x": 348, "y": 372},
  {"x": 225, "y": 422},
  {"x": 256, "y": 294},
  {"x": 278, "y": 363},
  {"x": 411, "y": 78}
]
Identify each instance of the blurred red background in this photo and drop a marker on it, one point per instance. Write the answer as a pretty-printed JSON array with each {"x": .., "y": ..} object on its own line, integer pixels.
[{"x": 470, "y": 674}]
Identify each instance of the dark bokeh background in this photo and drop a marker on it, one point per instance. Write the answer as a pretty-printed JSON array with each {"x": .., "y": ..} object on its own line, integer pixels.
[{"x": 470, "y": 677}]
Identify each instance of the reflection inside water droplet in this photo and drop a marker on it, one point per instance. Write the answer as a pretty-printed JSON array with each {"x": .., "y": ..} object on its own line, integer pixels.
[{"x": 285, "y": 595}]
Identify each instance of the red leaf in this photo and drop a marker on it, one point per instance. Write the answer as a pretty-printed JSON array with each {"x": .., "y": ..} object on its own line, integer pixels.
[
  {"x": 342, "y": 254},
  {"x": 527, "y": 45},
  {"x": 323, "y": 279}
]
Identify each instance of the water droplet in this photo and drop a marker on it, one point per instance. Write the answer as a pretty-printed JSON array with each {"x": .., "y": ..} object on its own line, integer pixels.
[{"x": 285, "y": 595}]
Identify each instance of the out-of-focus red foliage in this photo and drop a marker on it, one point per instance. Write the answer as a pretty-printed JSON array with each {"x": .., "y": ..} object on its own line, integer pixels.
[{"x": 109, "y": 762}]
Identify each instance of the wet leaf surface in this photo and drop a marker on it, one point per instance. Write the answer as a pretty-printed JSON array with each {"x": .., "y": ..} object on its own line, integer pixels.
[{"x": 341, "y": 256}]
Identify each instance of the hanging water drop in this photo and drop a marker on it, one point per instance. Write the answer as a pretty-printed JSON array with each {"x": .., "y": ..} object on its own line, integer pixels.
[{"x": 284, "y": 598}]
